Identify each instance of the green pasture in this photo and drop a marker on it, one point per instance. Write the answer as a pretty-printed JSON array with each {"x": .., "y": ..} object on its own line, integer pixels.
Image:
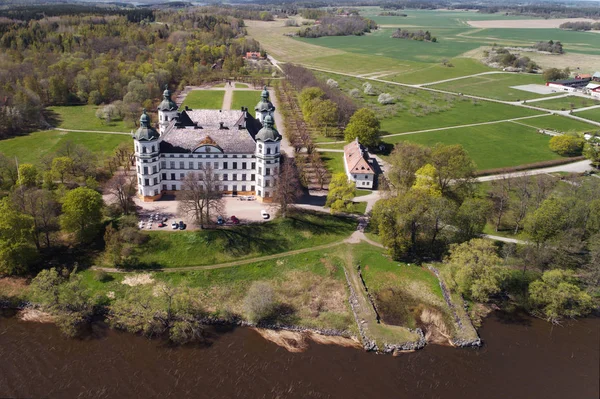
[
  {"x": 566, "y": 103},
  {"x": 83, "y": 117},
  {"x": 428, "y": 73},
  {"x": 245, "y": 98},
  {"x": 204, "y": 99},
  {"x": 559, "y": 123},
  {"x": 32, "y": 147},
  {"x": 492, "y": 146},
  {"x": 591, "y": 114},
  {"x": 497, "y": 86},
  {"x": 206, "y": 247}
]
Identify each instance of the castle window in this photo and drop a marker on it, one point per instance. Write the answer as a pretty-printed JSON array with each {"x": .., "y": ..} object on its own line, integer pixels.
[
  {"x": 163, "y": 164},
  {"x": 143, "y": 149},
  {"x": 172, "y": 176},
  {"x": 252, "y": 177},
  {"x": 172, "y": 164},
  {"x": 191, "y": 164},
  {"x": 268, "y": 150},
  {"x": 244, "y": 164},
  {"x": 164, "y": 177},
  {"x": 234, "y": 176},
  {"x": 252, "y": 188},
  {"x": 253, "y": 165},
  {"x": 154, "y": 169},
  {"x": 235, "y": 165},
  {"x": 146, "y": 182},
  {"x": 244, "y": 179},
  {"x": 145, "y": 170}
]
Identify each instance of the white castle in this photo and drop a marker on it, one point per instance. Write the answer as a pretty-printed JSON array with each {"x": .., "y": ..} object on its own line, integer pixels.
[{"x": 241, "y": 150}]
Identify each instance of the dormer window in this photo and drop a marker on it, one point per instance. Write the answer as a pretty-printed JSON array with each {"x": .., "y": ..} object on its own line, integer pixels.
[{"x": 268, "y": 150}]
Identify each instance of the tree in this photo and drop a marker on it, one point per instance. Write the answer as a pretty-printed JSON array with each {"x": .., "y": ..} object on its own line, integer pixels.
[
  {"x": 454, "y": 166},
  {"x": 547, "y": 220},
  {"x": 62, "y": 166},
  {"x": 309, "y": 100},
  {"x": 200, "y": 197},
  {"x": 8, "y": 172},
  {"x": 319, "y": 169},
  {"x": 42, "y": 206},
  {"x": 325, "y": 116},
  {"x": 17, "y": 251},
  {"x": 557, "y": 295},
  {"x": 405, "y": 160},
  {"x": 500, "y": 196},
  {"x": 427, "y": 181},
  {"x": 591, "y": 150},
  {"x": 552, "y": 74},
  {"x": 471, "y": 218},
  {"x": 82, "y": 213},
  {"x": 341, "y": 192},
  {"x": 566, "y": 145},
  {"x": 474, "y": 269},
  {"x": 123, "y": 187},
  {"x": 259, "y": 301},
  {"x": 287, "y": 186},
  {"x": 363, "y": 125},
  {"x": 28, "y": 175}
]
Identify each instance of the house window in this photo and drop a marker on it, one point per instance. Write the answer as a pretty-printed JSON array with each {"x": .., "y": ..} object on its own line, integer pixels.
[
  {"x": 267, "y": 195},
  {"x": 244, "y": 164},
  {"x": 164, "y": 187},
  {"x": 243, "y": 188},
  {"x": 234, "y": 187},
  {"x": 252, "y": 188},
  {"x": 164, "y": 176},
  {"x": 143, "y": 150},
  {"x": 138, "y": 168},
  {"x": 355, "y": 176},
  {"x": 153, "y": 149},
  {"x": 154, "y": 169},
  {"x": 224, "y": 165},
  {"x": 225, "y": 187},
  {"x": 137, "y": 149},
  {"x": 253, "y": 165},
  {"x": 181, "y": 176},
  {"x": 215, "y": 165},
  {"x": 155, "y": 191},
  {"x": 172, "y": 176},
  {"x": 146, "y": 182},
  {"x": 145, "y": 170},
  {"x": 140, "y": 181},
  {"x": 155, "y": 181},
  {"x": 268, "y": 150},
  {"x": 260, "y": 170},
  {"x": 252, "y": 177},
  {"x": 267, "y": 183},
  {"x": 235, "y": 165},
  {"x": 268, "y": 171},
  {"x": 260, "y": 148},
  {"x": 259, "y": 193}
]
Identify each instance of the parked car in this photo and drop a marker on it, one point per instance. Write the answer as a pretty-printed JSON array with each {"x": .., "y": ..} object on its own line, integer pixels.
[
  {"x": 181, "y": 225},
  {"x": 235, "y": 220},
  {"x": 220, "y": 220},
  {"x": 161, "y": 224},
  {"x": 174, "y": 225},
  {"x": 265, "y": 215}
]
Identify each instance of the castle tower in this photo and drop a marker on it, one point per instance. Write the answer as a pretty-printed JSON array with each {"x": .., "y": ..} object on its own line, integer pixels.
[
  {"x": 147, "y": 158},
  {"x": 268, "y": 157},
  {"x": 264, "y": 107},
  {"x": 167, "y": 110}
]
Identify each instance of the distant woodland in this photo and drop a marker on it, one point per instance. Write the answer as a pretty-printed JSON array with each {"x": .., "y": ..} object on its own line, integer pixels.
[
  {"x": 339, "y": 26},
  {"x": 95, "y": 56}
]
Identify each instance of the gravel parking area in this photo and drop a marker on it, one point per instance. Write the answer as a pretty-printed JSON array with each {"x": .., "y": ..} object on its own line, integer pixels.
[{"x": 537, "y": 89}]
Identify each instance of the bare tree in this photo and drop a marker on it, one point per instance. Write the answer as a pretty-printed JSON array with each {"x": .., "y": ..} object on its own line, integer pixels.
[
  {"x": 200, "y": 196},
  {"x": 500, "y": 195},
  {"x": 123, "y": 187},
  {"x": 287, "y": 186},
  {"x": 522, "y": 199},
  {"x": 42, "y": 206},
  {"x": 319, "y": 169}
]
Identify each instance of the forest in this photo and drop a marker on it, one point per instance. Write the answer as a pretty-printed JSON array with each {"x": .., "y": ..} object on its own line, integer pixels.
[
  {"x": 98, "y": 59},
  {"x": 339, "y": 26}
]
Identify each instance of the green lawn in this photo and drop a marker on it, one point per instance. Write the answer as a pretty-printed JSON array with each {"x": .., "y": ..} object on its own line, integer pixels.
[
  {"x": 497, "y": 86},
  {"x": 334, "y": 161},
  {"x": 204, "y": 99},
  {"x": 566, "y": 103},
  {"x": 83, "y": 117},
  {"x": 245, "y": 98},
  {"x": 206, "y": 247},
  {"x": 428, "y": 72},
  {"x": 32, "y": 147},
  {"x": 491, "y": 146},
  {"x": 592, "y": 114},
  {"x": 560, "y": 124}
]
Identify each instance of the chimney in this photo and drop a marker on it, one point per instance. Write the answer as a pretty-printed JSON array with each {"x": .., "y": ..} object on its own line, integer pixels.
[
  {"x": 187, "y": 108},
  {"x": 221, "y": 125}
]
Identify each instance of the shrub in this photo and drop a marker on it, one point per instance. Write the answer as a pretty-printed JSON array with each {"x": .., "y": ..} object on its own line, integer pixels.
[
  {"x": 259, "y": 301},
  {"x": 332, "y": 83},
  {"x": 369, "y": 89},
  {"x": 566, "y": 145},
  {"x": 386, "y": 98},
  {"x": 355, "y": 93}
]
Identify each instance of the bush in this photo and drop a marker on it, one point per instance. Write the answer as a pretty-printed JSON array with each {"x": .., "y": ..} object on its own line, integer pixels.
[
  {"x": 259, "y": 301},
  {"x": 355, "y": 93},
  {"x": 332, "y": 83},
  {"x": 386, "y": 98},
  {"x": 567, "y": 146},
  {"x": 369, "y": 89}
]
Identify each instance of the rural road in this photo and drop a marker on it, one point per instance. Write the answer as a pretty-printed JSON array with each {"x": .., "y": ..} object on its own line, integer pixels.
[{"x": 575, "y": 167}]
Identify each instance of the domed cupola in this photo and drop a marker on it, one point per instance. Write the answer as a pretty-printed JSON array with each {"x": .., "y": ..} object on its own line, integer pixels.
[
  {"x": 264, "y": 107},
  {"x": 146, "y": 132},
  {"x": 268, "y": 132},
  {"x": 167, "y": 104}
]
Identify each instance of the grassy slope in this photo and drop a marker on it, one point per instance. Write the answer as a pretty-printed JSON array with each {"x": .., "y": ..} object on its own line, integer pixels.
[
  {"x": 204, "y": 99},
  {"x": 566, "y": 103},
  {"x": 83, "y": 117},
  {"x": 497, "y": 86},
  {"x": 592, "y": 114},
  {"x": 192, "y": 248},
  {"x": 32, "y": 147},
  {"x": 491, "y": 146},
  {"x": 242, "y": 98},
  {"x": 560, "y": 124}
]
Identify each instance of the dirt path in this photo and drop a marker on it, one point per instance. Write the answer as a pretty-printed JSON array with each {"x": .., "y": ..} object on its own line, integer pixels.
[
  {"x": 574, "y": 167},
  {"x": 89, "y": 131},
  {"x": 227, "y": 98},
  {"x": 463, "y": 77}
]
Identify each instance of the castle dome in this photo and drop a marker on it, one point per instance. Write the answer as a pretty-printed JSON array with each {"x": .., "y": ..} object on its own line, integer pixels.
[
  {"x": 264, "y": 105},
  {"x": 268, "y": 132},
  {"x": 167, "y": 104},
  {"x": 146, "y": 132}
]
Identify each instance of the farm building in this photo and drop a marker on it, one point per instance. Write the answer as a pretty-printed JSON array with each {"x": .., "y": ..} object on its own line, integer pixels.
[
  {"x": 570, "y": 85},
  {"x": 596, "y": 77},
  {"x": 359, "y": 167},
  {"x": 593, "y": 89}
]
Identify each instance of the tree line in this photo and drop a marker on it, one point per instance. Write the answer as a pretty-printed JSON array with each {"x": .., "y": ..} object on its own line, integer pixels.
[
  {"x": 418, "y": 35},
  {"x": 580, "y": 25},
  {"x": 339, "y": 26}
]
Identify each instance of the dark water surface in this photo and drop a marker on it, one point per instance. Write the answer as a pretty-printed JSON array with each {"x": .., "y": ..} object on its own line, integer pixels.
[{"x": 527, "y": 358}]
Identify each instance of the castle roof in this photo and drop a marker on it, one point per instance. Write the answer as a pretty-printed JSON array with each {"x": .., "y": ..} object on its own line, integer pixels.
[
  {"x": 146, "y": 132},
  {"x": 167, "y": 104},
  {"x": 264, "y": 105},
  {"x": 268, "y": 132},
  {"x": 355, "y": 160}
]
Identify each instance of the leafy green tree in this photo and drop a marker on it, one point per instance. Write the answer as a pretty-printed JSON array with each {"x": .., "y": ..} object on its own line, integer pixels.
[
  {"x": 17, "y": 251},
  {"x": 325, "y": 117},
  {"x": 82, "y": 213},
  {"x": 474, "y": 269},
  {"x": 61, "y": 167},
  {"x": 427, "y": 181},
  {"x": 363, "y": 125},
  {"x": 566, "y": 145},
  {"x": 557, "y": 295},
  {"x": 547, "y": 220},
  {"x": 592, "y": 152},
  {"x": 471, "y": 218},
  {"x": 341, "y": 192},
  {"x": 454, "y": 166},
  {"x": 8, "y": 172},
  {"x": 552, "y": 74},
  {"x": 405, "y": 160},
  {"x": 309, "y": 98},
  {"x": 28, "y": 175}
]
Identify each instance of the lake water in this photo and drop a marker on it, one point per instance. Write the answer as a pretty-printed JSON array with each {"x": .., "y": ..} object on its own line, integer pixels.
[{"x": 522, "y": 358}]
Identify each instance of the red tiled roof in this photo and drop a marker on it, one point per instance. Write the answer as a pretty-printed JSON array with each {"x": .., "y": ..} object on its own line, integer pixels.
[{"x": 354, "y": 159}]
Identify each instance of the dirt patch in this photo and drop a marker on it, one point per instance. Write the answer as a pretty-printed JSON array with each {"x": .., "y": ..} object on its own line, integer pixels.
[
  {"x": 138, "y": 279},
  {"x": 526, "y": 23},
  {"x": 436, "y": 331},
  {"x": 36, "y": 316},
  {"x": 297, "y": 342},
  {"x": 13, "y": 286}
]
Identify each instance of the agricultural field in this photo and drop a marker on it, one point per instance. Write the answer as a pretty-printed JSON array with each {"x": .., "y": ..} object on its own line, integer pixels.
[
  {"x": 429, "y": 73},
  {"x": 559, "y": 123},
  {"x": 566, "y": 103},
  {"x": 83, "y": 117},
  {"x": 32, "y": 147},
  {"x": 498, "y": 86},
  {"x": 591, "y": 114},
  {"x": 204, "y": 99},
  {"x": 207, "y": 247},
  {"x": 245, "y": 98},
  {"x": 491, "y": 146}
]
